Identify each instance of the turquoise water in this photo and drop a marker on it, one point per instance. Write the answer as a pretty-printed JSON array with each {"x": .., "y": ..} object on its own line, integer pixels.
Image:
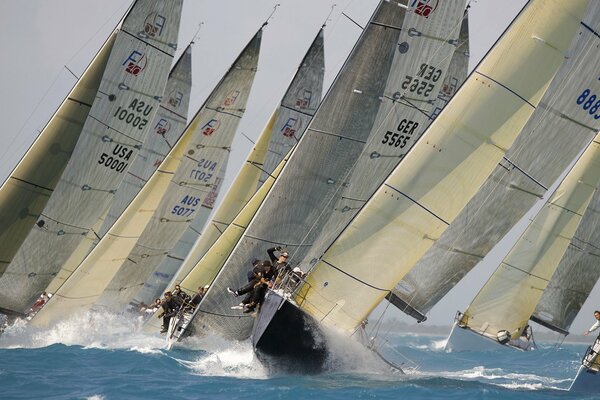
[{"x": 101, "y": 357}]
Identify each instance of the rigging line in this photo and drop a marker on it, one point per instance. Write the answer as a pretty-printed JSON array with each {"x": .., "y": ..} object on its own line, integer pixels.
[
  {"x": 72, "y": 73},
  {"x": 356, "y": 23},
  {"x": 328, "y": 16},
  {"x": 31, "y": 183},
  {"x": 355, "y": 278},
  {"x": 223, "y": 315},
  {"x": 247, "y": 137}
]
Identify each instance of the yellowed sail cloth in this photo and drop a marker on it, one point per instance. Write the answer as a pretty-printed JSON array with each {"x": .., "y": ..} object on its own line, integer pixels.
[
  {"x": 512, "y": 293},
  {"x": 444, "y": 170},
  {"x": 25, "y": 192}
]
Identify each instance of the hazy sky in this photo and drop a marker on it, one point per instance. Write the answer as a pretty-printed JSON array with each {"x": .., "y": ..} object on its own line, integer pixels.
[{"x": 41, "y": 37}]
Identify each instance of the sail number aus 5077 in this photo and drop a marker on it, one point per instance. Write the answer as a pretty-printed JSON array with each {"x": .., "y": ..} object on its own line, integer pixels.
[
  {"x": 405, "y": 130},
  {"x": 589, "y": 104}
]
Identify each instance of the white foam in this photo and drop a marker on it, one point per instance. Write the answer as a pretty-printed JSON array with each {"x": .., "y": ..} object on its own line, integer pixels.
[
  {"x": 95, "y": 397},
  {"x": 91, "y": 329},
  {"x": 225, "y": 358}
]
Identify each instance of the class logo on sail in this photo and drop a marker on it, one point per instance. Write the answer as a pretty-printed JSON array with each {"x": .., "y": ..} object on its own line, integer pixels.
[
  {"x": 162, "y": 127},
  {"x": 303, "y": 99},
  {"x": 424, "y": 7},
  {"x": 231, "y": 98},
  {"x": 290, "y": 127},
  {"x": 210, "y": 127},
  {"x": 154, "y": 24},
  {"x": 175, "y": 98},
  {"x": 135, "y": 63}
]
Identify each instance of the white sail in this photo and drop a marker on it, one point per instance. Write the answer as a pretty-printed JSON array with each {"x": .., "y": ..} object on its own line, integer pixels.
[
  {"x": 283, "y": 131},
  {"x": 26, "y": 191},
  {"x": 206, "y": 269},
  {"x": 510, "y": 296},
  {"x": 167, "y": 128},
  {"x": 447, "y": 167},
  {"x": 213, "y": 130},
  {"x": 359, "y": 132},
  {"x": 166, "y": 270},
  {"x": 132, "y": 86},
  {"x": 576, "y": 275},
  {"x": 557, "y": 131}
]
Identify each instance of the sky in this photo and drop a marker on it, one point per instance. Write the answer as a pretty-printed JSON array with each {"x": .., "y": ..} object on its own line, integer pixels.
[{"x": 45, "y": 45}]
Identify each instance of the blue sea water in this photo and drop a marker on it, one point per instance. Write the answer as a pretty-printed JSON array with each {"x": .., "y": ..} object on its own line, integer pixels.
[{"x": 103, "y": 357}]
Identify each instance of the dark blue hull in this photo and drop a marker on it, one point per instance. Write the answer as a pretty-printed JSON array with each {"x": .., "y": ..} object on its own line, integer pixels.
[{"x": 286, "y": 339}]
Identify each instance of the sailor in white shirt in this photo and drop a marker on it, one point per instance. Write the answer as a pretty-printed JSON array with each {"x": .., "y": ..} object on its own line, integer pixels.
[{"x": 596, "y": 325}]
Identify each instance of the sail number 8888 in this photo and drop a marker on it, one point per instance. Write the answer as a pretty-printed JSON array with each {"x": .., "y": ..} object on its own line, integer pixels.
[{"x": 589, "y": 104}]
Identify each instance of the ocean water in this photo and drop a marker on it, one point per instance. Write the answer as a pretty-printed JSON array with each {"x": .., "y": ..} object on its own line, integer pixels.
[{"x": 103, "y": 357}]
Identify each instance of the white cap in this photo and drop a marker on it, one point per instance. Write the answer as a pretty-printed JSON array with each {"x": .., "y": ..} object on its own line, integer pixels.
[
  {"x": 205, "y": 286},
  {"x": 297, "y": 269}
]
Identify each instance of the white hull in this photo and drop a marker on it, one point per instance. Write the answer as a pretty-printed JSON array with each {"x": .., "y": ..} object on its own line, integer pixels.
[
  {"x": 463, "y": 339},
  {"x": 177, "y": 326},
  {"x": 587, "y": 380}
]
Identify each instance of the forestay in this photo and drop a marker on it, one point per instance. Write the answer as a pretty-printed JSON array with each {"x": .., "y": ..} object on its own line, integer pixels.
[
  {"x": 209, "y": 138},
  {"x": 131, "y": 89},
  {"x": 511, "y": 294},
  {"x": 441, "y": 174},
  {"x": 558, "y": 130}
]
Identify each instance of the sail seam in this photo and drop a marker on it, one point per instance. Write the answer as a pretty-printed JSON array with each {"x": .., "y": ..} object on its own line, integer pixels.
[
  {"x": 386, "y": 25},
  {"x": 64, "y": 224},
  {"x": 173, "y": 112},
  {"x": 296, "y": 110},
  {"x": 115, "y": 130},
  {"x": 31, "y": 183},
  {"x": 147, "y": 43},
  {"x": 524, "y": 173},
  {"x": 589, "y": 28},
  {"x": 355, "y": 278},
  {"x": 220, "y": 110},
  {"x": 278, "y": 242},
  {"x": 417, "y": 203},
  {"x": 83, "y": 103},
  {"x": 336, "y": 135},
  {"x": 525, "y": 272},
  {"x": 507, "y": 88}
]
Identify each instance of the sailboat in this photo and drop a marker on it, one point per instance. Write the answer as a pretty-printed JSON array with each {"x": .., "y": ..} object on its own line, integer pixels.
[
  {"x": 555, "y": 134},
  {"x": 248, "y": 191},
  {"x": 182, "y": 182},
  {"x": 285, "y": 127},
  {"x": 167, "y": 128},
  {"x": 362, "y": 106},
  {"x": 427, "y": 190},
  {"x": 130, "y": 90},
  {"x": 502, "y": 308},
  {"x": 194, "y": 180}
]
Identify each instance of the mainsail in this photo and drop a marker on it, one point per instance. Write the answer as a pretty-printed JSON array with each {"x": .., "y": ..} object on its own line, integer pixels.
[
  {"x": 214, "y": 129},
  {"x": 510, "y": 296},
  {"x": 132, "y": 86},
  {"x": 167, "y": 128},
  {"x": 558, "y": 130},
  {"x": 161, "y": 212},
  {"x": 365, "y": 112},
  {"x": 443, "y": 172},
  {"x": 165, "y": 272}
]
